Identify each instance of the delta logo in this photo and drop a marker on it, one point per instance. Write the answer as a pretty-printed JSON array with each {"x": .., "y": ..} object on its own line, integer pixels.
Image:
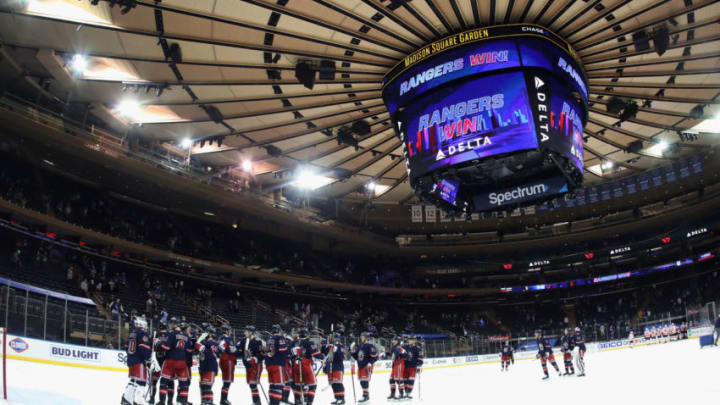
[{"x": 18, "y": 345}]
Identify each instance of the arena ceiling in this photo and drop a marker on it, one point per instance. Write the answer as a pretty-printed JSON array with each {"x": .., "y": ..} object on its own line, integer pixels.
[{"x": 236, "y": 80}]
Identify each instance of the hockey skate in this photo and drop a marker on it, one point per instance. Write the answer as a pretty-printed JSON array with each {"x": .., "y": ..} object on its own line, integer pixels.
[
  {"x": 364, "y": 400},
  {"x": 581, "y": 375},
  {"x": 225, "y": 402},
  {"x": 392, "y": 397},
  {"x": 124, "y": 401},
  {"x": 547, "y": 376},
  {"x": 339, "y": 402}
]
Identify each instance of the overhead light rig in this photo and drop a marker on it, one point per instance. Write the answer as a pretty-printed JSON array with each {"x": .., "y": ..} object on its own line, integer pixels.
[
  {"x": 124, "y": 5},
  {"x": 135, "y": 87}
]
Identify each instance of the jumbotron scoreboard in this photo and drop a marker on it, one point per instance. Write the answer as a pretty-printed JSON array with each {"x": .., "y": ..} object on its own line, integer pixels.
[{"x": 490, "y": 118}]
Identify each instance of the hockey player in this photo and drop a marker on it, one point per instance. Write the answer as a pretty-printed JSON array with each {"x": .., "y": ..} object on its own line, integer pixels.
[
  {"x": 506, "y": 356},
  {"x": 413, "y": 364},
  {"x": 176, "y": 346},
  {"x": 227, "y": 362},
  {"x": 580, "y": 344},
  {"x": 158, "y": 358},
  {"x": 293, "y": 340},
  {"x": 545, "y": 353},
  {"x": 397, "y": 374},
  {"x": 138, "y": 357},
  {"x": 208, "y": 351},
  {"x": 275, "y": 358},
  {"x": 336, "y": 360},
  {"x": 567, "y": 344},
  {"x": 647, "y": 334},
  {"x": 250, "y": 350},
  {"x": 303, "y": 357},
  {"x": 189, "y": 355},
  {"x": 366, "y": 355}
]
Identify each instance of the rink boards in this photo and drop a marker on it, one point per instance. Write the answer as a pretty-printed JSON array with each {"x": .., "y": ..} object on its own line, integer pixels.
[
  {"x": 59, "y": 354},
  {"x": 47, "y": 373}
]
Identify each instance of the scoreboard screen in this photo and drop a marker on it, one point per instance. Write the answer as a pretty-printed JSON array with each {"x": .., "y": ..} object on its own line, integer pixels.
[{"x": 488, "y": 93}]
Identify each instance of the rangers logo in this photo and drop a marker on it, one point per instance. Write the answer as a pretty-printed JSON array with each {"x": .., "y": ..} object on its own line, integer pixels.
[{"x": 18, "y": 345}]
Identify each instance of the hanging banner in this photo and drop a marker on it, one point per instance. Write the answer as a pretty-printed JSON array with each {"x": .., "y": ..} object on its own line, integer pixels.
[
  {"x": 430, "y": 213},
  {"x": 670, "y": 173},
  {"x": 444, "y": 217},
  {"x": 416, "y": 213}
]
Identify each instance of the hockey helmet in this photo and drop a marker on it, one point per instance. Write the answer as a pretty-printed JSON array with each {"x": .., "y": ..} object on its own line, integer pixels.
[
  {"x": 140, "y": 323},
  {"x": 276, "y": 329}
]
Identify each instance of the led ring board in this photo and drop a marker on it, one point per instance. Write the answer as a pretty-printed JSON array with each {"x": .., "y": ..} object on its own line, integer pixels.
[{"x": 490, "y": 118}]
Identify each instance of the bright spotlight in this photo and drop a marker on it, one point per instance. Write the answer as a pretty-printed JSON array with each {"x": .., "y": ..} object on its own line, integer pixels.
[
  {"x": 186, "y": 143},
  {"x": 247, "y": 165},
  {"x": 78, "y": 64},
  {"x": 310, "y": 181},
  {"x": 371, "y": 186},
  {"x": 128, "y": 108},
  {"x": 659, "y": 148},
  {"x": 607, "y": 165}
]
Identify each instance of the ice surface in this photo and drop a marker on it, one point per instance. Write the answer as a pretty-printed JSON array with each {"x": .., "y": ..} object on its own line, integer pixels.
[{"x": 673, "y": 373}]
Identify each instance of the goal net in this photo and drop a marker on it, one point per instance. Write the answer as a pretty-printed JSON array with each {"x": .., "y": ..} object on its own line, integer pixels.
[{"x": 701, "y": 321}]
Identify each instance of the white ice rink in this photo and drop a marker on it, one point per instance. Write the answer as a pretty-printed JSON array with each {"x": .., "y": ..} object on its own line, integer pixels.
[{"x": 673, "y": 373}]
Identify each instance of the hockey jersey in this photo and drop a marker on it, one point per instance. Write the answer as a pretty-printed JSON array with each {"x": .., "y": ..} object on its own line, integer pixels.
[
  {"x": 365, "y": 354},
  {"x": 414, "y": 357},
  {"x": 138, "y": 349},
  {"x": 277, "y": 351},
  {"x": 254, "y": 352},
  {"x": 177, "y": 346},
  {"x": 208, "y": 351}
]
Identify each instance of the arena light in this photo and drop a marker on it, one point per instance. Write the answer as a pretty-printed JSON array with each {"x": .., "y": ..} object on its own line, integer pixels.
[
  {"x": 665, "y": 240},
  {"x": 711, "y": 125},
  {"x": 658, "y": 148},
  {"x": 589, "y": 255},
  {"x": 129, "y": 108},
  {"x": 507, "y": 266},
  {"x": 78, "y": 64},
  {"x": 371, "y": 186},
  {"x": 247, "y": 166},
  {"x": 308, "y": 180},
  {"x": 186, "y": 143},
  {"x": 607, "y": 165}
]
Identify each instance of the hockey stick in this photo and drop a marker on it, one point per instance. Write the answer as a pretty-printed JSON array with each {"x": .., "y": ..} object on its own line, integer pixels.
[
  {"x": 259, "y": 382},
  {"x": 352, "y": 379},
  {"x": 302, "y": 386},
  {"x": 148, "y": 370},
  {"x": 419, "y": 385}
]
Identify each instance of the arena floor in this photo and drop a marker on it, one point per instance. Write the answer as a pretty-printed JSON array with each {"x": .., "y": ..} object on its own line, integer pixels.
[{"x": 659, "y": 374}]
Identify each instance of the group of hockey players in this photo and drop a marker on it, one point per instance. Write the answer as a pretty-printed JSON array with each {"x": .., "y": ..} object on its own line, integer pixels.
[
  {"x": 665, "y": 332},
  {"x": 156, "y": 362},
  {"x": 568, "y": 342}
]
